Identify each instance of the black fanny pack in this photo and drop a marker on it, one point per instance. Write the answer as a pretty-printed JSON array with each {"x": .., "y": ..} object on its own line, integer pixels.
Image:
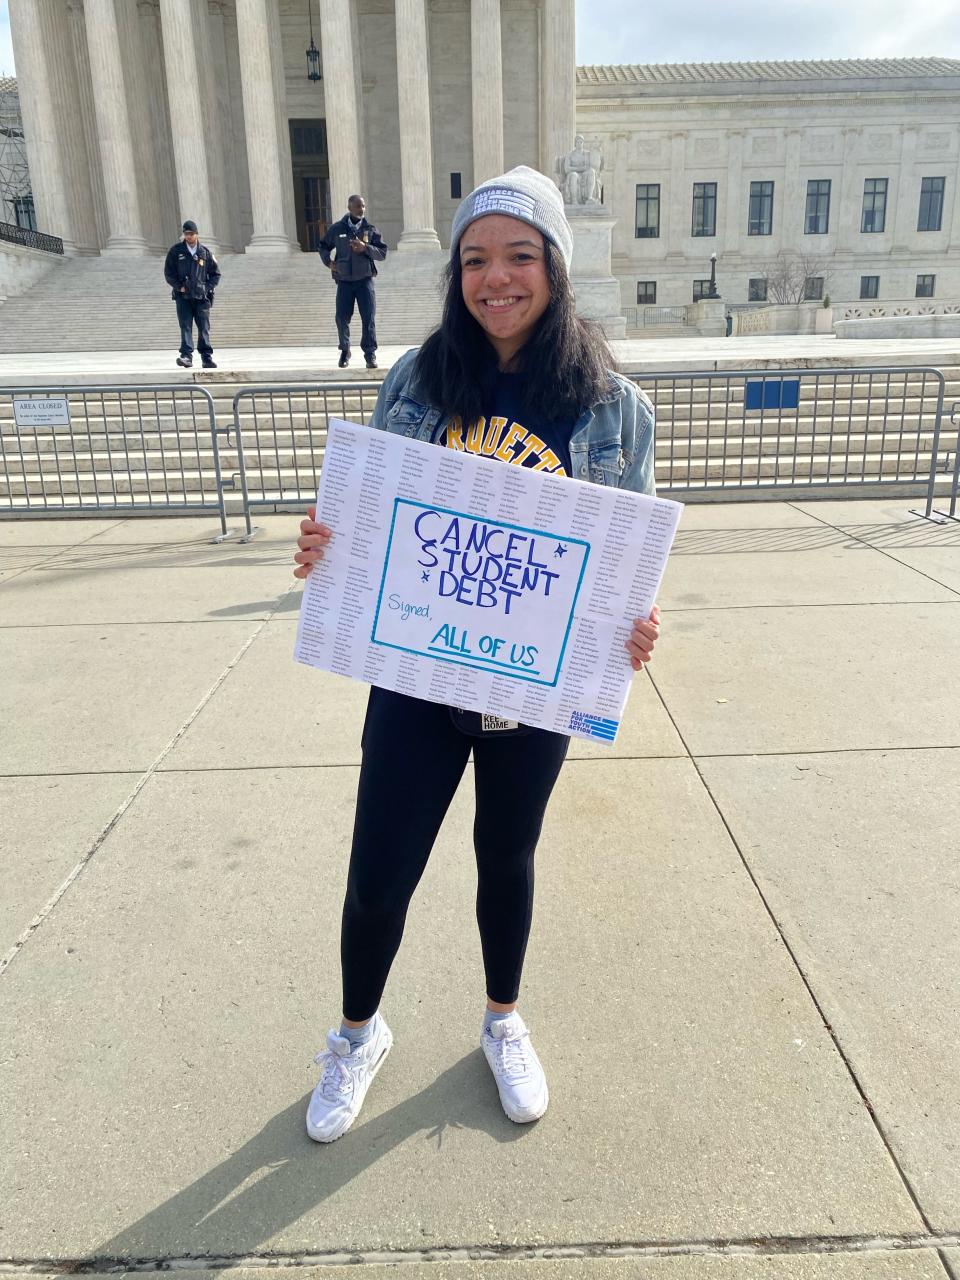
[{"x": 478, "y": 724}]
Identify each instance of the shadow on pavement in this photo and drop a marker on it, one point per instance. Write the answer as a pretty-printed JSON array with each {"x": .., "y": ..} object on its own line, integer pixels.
[{"x": 280, "y": 1174}]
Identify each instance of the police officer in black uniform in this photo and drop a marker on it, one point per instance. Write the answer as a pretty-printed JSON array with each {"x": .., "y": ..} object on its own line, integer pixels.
[
  {"x": 351, "y": 249},
  {"x": 192, "y": 272}
]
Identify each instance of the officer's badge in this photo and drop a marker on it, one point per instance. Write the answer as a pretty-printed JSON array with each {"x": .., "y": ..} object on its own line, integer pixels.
[{"x": 199, "y": 262}]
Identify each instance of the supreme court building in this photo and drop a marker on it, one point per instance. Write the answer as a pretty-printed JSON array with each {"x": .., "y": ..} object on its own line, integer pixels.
[
  {"x": 139, "y": 113},
  {"x": 257, "y": 118}
]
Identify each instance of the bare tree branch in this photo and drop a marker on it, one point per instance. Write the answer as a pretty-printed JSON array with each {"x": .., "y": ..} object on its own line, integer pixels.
[{"x": 788, "y": 275}]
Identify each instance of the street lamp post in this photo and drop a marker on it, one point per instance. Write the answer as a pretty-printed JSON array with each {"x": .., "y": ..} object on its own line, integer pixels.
[
  {"x": 712, "y": 291},
  {"x": 313, "y": 53}
]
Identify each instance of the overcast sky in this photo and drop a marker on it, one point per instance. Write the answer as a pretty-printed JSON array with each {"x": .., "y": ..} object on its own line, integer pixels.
[
  {"x": 745, "y": 30},
  {"x": 741, "y": 30}
]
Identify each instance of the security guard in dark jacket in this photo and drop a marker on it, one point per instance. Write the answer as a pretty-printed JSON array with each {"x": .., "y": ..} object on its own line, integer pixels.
[
  {"x": 192, "y": 272},
  {"x": 351, "y": 249}
]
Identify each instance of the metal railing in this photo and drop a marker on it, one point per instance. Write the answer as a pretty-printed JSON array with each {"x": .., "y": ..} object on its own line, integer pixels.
[
  {"x": 281, "y": 433},
  {"x": 779, "y": 430},
  {"x": 663, "y": 315},
  {"x": 125, "y": 450},
  {"x": 761, "y": 432},
  {"x": 943, "y": 465},
  {"x": 30, "y": 239}
]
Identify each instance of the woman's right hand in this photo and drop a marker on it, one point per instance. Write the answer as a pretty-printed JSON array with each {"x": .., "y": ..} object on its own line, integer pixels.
[{"x": 313, "y": 541}]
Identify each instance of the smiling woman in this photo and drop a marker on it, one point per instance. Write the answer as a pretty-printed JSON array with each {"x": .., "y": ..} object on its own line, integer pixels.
[
  {"x": 504, "y": 282},
  {"x": 513, "y": 374}
]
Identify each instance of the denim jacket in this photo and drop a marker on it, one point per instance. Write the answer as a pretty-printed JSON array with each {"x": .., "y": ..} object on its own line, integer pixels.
[{"x": 611, "y": 443}]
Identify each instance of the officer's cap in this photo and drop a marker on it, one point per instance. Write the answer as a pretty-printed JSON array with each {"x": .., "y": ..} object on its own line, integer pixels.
[{"x": 189, "y": 225}]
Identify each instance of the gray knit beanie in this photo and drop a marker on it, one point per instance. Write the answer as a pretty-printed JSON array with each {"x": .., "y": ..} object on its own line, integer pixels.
[{"x": 522, "y": 193}]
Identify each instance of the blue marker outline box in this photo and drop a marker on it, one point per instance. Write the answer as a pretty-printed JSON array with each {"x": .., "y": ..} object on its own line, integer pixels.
[{"x": 479, "y": 663}]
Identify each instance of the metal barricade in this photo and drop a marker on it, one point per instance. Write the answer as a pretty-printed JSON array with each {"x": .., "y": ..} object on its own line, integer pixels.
[
  {"x": 281, "y": 433},
  {"x": 767, "y": 432},
  {"x": 776, "y": 431},
  {"x": 141, "y": 450},
  {"x": 942, "y": 465}
]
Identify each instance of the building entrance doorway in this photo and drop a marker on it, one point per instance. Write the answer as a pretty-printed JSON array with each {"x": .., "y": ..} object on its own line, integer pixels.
[{"x": 311, "y": 181}]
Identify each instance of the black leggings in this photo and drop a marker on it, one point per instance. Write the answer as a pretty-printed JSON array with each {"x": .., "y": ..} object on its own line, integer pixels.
[{"x": 413, "y": 759}]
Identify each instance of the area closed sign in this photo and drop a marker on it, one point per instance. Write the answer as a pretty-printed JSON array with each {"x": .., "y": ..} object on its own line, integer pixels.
[{"x": 48, "y": 412}]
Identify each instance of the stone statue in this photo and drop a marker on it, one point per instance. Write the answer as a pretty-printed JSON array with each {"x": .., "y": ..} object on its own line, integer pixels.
[{"x": 580, "y": 174}]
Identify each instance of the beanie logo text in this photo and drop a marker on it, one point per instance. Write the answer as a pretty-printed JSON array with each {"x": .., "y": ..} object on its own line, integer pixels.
[{"x": 502, "y": 200}]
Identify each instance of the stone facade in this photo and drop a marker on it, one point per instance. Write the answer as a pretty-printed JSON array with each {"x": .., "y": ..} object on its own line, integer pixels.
[
  {"x": 140, "y": 113},
  {"x": 735, "y": 124}
]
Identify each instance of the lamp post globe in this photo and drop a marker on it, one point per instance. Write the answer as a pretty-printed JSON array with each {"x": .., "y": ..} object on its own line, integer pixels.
[{"x": 712, "y": 291}]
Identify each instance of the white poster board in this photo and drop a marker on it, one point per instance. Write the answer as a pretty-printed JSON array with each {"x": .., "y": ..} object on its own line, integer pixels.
[
  {"x": 47, "y": 412},
  {"x": 466, "y": 581}
]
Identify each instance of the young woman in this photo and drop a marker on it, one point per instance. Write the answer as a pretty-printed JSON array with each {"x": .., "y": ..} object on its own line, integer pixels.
[{"x": 512, "y": 373}]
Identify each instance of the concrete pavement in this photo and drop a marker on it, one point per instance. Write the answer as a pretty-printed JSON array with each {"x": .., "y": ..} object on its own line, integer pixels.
[
  {"x": 743, "y": 976},
  {"x": 298, "y": 364}
]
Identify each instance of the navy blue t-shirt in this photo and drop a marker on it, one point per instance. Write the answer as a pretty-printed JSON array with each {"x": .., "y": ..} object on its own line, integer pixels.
[{"x": 511, "y": 433}]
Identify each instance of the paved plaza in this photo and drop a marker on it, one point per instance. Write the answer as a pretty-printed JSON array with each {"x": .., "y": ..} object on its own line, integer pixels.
[
  {"x": 743, "y": 975},
  {"x": 284, "y": 364}
]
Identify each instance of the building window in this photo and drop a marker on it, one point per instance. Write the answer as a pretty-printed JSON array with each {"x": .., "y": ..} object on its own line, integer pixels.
[
  {"x": 648, "y": 210},
  {"x": 757, "y": 289},
  {"x": 25, "y": 213},
  {"x": 308, "y": 137},
  {"x": 813, "y": 289},
  {"x": 874, "y": 216},
  {"x": 701, "y": 289},
  {"x": 869, "y": 286},
  {"x": 456, "y": 186},
  {"x": 704, "y": 209},
  {"x": 760, "y": 221},
  {"x": 817, "y": 221},
  {"x": 646, "y": 292},
  {"x": 931, "y": 204},
  {"x": 925, "y": 286}
]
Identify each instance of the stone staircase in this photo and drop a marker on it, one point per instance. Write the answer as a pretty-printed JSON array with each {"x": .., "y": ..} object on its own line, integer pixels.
[
  {"x": 659, "y": 332},
  {"x": 123, "y": 304}
]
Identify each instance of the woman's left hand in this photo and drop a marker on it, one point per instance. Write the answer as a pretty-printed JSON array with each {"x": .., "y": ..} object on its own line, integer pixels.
[{"x": 642, "y": 638}]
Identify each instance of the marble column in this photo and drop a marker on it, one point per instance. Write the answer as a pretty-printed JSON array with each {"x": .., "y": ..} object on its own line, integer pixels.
[
  {"x": 113, "y": 127},
  {"x": 486, "y": 65},
  {"x": 416, "y": 143},
  {"x": 850, "y": 211},
  {"x": 735, "y": 206},
  {"x": 558, "y": 82},
  {"x": 952, "y": 198},
  {"x": 220, "y": 162},
  {"x": 48, "y": 180},
  {"x": 151, "y": 128},
  {"x": 73, "y": 144},
  {"x": 255, "y": 30},
  {"x": 358, "y": 82},
  {"x": 340, "y": 64},
  {"x": 185, "y": 61},
  {"x": 793, "y": 205},
  {"x": 908, "y": 193},
  {"x": 679, "y": 195},
  {"x": 88, "y": 121}
]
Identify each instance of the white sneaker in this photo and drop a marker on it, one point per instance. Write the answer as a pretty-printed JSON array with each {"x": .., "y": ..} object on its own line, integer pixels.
[
  {"x": 344, "y": 1081},
  {"x": 516, "y": 1068}
]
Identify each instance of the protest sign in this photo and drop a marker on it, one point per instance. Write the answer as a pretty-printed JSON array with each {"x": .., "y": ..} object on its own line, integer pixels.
[{"x": 488, "y": 587}]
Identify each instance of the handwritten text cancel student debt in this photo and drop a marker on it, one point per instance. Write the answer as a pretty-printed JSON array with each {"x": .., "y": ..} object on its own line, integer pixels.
[{"x": 469, "y": 582}]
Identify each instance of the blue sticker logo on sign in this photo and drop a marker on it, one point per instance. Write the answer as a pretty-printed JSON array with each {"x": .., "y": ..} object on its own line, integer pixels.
[{"x": 594, "y": 726}]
